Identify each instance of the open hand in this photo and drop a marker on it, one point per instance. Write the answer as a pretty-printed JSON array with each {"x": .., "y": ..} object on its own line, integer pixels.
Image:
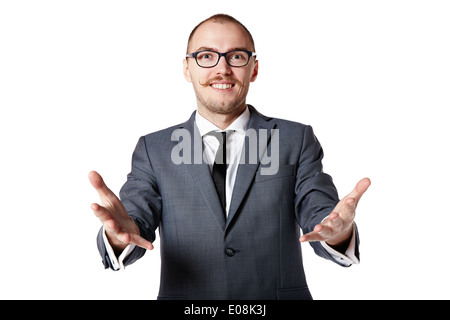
[
  {"x": 120, "y": 228},
  {"x": 337, "y": 229}
]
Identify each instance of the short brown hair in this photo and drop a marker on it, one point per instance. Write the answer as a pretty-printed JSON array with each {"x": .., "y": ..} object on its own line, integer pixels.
[{"x": 221, "y": 18}]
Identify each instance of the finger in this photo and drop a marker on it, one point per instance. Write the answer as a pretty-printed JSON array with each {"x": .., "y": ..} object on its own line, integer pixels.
[
  {"x": 112, "y": 226},
  {"x": 126, "y": 237},
  {"x": 347, "y": 206},
  {"x": 101, "y": 212},
  {"x": 99, "y": 184},
  {"x": 360, "y": 188},
  {"x": 140, "y": 242},
  {"x": 333, "y": 216},
  {"x": 320, "y": 233},
  {"x": 348, "y": 211},
  {"x": 311, "y": 237},
  {"x": 106, "y": 218},
  {"x": 334, "y": 220}
]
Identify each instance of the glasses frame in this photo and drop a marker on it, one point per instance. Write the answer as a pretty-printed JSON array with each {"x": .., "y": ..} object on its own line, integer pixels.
[{"x": 195, "y": 54}]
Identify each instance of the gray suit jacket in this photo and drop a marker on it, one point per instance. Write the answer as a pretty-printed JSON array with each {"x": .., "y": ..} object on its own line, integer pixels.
[{"x": 254, "y": 253}]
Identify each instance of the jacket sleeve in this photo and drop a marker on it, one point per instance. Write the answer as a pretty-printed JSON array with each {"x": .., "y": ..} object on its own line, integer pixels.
[
  {"x": 315, "y": 193},
  {"x": 142, "y": 200}
]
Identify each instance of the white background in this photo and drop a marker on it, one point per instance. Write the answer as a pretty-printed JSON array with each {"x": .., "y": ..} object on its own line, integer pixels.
[{"x": 81, "y": 81}]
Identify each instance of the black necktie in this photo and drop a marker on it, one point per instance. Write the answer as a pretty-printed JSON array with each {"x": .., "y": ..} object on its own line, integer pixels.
[{"x": 219, "y": 171}]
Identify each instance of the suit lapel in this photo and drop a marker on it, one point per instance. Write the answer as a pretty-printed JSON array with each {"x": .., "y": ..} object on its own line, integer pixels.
[
  {"x": 247, "y": 171},
  {"x": 201, "y": 173}
]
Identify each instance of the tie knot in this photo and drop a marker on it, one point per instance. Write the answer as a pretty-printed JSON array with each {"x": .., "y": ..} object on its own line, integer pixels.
[
  {"x": 222, "y": 136},
  {"x": 221, "y": 154}
]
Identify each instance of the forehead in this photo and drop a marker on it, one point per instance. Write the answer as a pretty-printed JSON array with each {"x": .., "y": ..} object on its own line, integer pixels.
[{"x": 220, "y": 36}]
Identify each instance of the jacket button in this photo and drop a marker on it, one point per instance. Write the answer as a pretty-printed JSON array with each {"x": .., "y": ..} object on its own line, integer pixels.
[{"x": 230, "y": 252}]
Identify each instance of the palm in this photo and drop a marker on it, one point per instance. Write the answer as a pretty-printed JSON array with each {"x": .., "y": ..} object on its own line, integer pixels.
[
  {"x": 120, "y": 228},
  {"x": 337, "y": 228}
]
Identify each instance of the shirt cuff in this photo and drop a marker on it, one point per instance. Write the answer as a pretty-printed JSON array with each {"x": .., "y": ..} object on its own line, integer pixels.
[
  {"x": 349, "y": 257},
  {"x": 117, "y": 262}
]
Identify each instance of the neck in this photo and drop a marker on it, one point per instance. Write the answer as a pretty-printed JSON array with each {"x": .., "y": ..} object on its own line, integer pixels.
[{"x": 221, "y": 120}]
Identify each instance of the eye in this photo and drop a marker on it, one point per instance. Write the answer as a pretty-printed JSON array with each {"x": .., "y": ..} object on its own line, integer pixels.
[
  {"x": 237, "y": 56},
  {"x": 205, "y": 56}
]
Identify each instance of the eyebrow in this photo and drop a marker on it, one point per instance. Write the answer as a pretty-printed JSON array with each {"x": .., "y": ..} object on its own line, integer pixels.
[{"x": 214, "y": 49}]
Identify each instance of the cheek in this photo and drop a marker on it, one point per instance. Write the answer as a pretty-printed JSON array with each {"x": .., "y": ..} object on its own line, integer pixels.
[
  {"x": 244, "y": 76},
  {"x": 197, "y": 76},
  {"x": 203, "y": 75}
]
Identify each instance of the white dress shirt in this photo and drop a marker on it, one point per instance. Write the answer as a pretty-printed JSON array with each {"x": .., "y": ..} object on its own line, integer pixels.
[{"x": 235, "y": 145}]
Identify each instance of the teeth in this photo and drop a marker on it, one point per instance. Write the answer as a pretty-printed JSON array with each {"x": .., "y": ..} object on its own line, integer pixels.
[{"x": 222, "y": 86}]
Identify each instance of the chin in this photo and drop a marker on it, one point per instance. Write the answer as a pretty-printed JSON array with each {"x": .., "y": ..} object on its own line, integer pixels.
[{"x": 223, "y": 108}]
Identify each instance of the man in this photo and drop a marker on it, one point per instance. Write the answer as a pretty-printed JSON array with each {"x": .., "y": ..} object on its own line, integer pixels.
[{"x": 228, "y": 222}]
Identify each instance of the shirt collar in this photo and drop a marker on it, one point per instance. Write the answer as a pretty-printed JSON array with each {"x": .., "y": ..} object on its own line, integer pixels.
[{"x": 239, "y": 125}]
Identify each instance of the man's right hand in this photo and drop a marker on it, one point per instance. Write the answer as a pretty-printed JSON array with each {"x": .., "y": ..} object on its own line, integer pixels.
[{"x": 119, "y": 227}]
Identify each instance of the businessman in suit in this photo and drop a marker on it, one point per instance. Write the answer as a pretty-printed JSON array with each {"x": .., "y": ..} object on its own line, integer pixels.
[{"x": 229, "y": 221}]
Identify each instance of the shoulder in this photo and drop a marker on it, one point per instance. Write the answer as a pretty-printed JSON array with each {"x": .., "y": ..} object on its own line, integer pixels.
[
  {"x": 165, "y": 135},
  {"x": 285, "y": 127}
]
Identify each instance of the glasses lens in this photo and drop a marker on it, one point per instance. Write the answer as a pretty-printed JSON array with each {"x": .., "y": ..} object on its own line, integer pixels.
[
  {"x": 237, "y": 58},
  {"x": 207, "y": 58}
]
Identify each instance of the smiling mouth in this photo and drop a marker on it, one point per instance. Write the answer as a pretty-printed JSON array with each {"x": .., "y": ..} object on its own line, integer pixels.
[{"x": 222, "y": 86}]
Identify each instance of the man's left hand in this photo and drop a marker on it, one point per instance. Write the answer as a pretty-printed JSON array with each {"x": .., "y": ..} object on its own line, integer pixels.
[{"x": 337, "y": 229}]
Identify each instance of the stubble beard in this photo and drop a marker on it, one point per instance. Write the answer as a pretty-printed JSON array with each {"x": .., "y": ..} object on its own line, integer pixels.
[{"x": 220, "y": 107}]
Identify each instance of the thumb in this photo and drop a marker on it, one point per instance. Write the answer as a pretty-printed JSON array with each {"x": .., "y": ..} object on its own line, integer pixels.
[
  {"x": 99, "y": 185},
  {"x": 360, "y": 188},
  {"x": 96, "y": 180}
]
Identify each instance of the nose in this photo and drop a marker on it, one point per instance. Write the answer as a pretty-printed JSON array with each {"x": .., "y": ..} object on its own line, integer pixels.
[{"x": 222, "y": 66}]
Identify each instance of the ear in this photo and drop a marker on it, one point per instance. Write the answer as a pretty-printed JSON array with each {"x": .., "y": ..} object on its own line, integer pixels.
[
  {"x": 187, "y": 74},
  {"x": 255, "y": 71}
]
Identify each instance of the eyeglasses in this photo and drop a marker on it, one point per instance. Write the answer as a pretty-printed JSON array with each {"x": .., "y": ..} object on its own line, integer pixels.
[{"x": 210, "y": 59}]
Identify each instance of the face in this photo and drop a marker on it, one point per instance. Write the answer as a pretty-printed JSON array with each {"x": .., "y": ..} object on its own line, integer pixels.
[{"x": 222, "y": 89}]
